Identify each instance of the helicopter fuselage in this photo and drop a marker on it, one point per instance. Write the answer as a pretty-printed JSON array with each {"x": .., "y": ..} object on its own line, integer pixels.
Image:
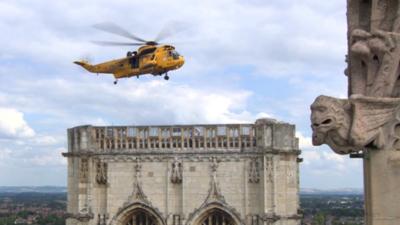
[{"x": 148, "y": 59}]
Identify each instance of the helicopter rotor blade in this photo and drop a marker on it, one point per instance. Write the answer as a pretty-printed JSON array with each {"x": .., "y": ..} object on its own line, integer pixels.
[
  {"x": 112, "y": 43},
  {"x": 115, "y": 29},
  {"x": 169, "y": 30},
  {"x": 176, "y": 43}
]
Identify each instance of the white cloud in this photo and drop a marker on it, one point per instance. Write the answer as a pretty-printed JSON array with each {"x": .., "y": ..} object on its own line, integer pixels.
[
  {"x": 334, "y": 157},
  {"x": 304, "y": 142},
  {"x": 4, "y": 154},
  {"x": 132, "y": 102},
  {"x": 13, "y": 124},
  {"x": 338, "y": 160},
  {"x": 49, "y": 158},
  {"x": 310, "y": 157},
  {"x": 278, "y": 39},
  {"x": 294, "y": 48},
  {"x": 45, "y": 140},
  {"x": 323, "y": 162}
]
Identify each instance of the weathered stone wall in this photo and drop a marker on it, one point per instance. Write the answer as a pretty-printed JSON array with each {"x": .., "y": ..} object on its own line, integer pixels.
[{"x": 249, "y": 171}]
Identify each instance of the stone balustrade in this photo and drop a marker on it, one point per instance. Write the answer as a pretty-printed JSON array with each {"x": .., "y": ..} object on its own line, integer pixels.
[{"x": 229, "y": 136}]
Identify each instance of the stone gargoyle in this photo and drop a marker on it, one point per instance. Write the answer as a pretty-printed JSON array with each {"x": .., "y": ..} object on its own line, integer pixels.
[
  {"x": 370, "y": 117},
  {"x": 354, "y": 124}
]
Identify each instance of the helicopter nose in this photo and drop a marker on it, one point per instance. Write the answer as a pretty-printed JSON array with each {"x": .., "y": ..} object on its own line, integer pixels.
[{"x": 181, "y": 61}]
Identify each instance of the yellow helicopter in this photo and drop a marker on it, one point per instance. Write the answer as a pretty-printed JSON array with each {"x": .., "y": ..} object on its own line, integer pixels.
[{"x": 150, "y": 58}]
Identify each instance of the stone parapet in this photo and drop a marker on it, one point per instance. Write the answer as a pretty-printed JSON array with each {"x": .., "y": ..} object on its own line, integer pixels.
[{"x": 265, "y": 134}]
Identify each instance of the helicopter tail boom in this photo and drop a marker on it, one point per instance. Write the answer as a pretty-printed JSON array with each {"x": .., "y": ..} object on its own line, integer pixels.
[{"x": 85, "y": 65}]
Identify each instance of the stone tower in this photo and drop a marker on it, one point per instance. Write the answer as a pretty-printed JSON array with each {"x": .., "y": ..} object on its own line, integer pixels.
[
  {"x": 224, "y": 174},
  {"x": 367, "y": 124}
]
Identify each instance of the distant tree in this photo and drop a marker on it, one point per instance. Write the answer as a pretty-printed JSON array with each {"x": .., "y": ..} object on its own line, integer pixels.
[
  {"x": 7, "y": 220},
  {"x": 23, "y": 214},
  {"x": 319, "y": 219},
  {"x": 51, "y": 220}
]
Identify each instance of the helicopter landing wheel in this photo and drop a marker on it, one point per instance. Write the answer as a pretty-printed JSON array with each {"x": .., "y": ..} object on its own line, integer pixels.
[
  {"x": 115, "y": 82},
  {"x": 166, "y": 77}
]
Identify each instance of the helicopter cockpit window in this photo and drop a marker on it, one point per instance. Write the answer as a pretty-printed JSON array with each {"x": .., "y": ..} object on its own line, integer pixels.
[
  {"x": 147, "y": 51},
  {"x": 174, "y": 54}
]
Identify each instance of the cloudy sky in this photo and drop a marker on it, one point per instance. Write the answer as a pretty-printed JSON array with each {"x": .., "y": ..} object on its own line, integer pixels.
[{"x": 245, "y": 59}]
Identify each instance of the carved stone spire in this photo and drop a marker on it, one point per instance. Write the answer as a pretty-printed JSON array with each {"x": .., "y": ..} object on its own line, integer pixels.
[
  {"x": 137, "y": 193},
  {"x": 138, "y": 196},
  {"x": 214, "y": 193},
  {"x": 254, "y": 171}
]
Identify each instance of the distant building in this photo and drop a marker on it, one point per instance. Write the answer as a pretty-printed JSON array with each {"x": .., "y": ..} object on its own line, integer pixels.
[
  {"x": 31, "y": 219},
  {"x": 224, "y": 174},
  {"x": 20, "y": 221}
]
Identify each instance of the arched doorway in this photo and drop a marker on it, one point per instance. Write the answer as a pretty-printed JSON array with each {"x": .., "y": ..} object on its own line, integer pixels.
[
  {"x": 216, "y": 217},
  {"x": 140, "y": 217}
]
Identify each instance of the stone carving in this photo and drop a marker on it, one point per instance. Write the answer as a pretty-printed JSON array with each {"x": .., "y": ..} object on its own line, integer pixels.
[
  {"x": 394, "y": 159},
  {"x": 374, "y": 63},
  {"x": 82, "y": 217},
  {"x": 215, "y": 198},
  {"x": 101, "y": 172},
  {"x": 269, "y": 167},
  {"x": 270, "y": 218},
  {"x": 137, "y": 193},
  {"x": 214, "y": 165},
  {"x": 102, "y": 219},
  {"x": 176, "y": 174},
  {"x": 356, "y": 124},
  {"x": 83, "y": 170},
  {"x": 214, "y": 193},
  {"x": 138, "y": 197},
  {"x": 367, "y": 120},
  {"x": 254, "y": 171}
]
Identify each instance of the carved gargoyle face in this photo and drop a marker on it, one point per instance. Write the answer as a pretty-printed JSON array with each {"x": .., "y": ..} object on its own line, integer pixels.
[
  {"x": 321, "y": 123},
  {"x": 329, "y": 121}
]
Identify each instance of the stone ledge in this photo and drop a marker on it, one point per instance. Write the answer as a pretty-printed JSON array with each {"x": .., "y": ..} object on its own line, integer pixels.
[{"x": 180, "y": 153}]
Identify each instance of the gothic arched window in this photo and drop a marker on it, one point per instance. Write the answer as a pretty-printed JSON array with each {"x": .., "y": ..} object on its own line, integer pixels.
[
  {"x": 217, "y": 217},
  {"x": 141, "y": 217}
]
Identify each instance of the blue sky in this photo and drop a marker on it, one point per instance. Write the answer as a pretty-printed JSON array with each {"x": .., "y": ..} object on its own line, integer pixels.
[{"x": 244, "y": 60}]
